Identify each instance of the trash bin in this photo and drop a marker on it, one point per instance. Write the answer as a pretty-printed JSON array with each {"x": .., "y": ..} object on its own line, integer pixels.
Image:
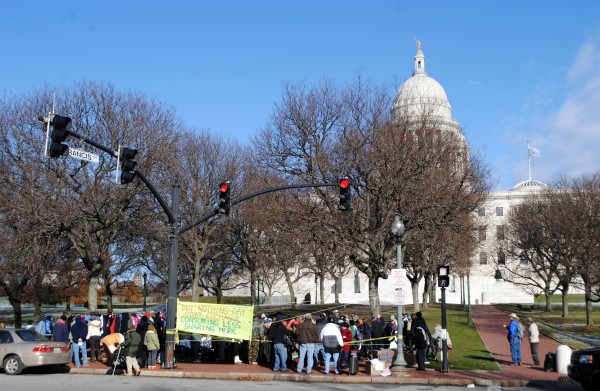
[{"x": 563, "y": 358}]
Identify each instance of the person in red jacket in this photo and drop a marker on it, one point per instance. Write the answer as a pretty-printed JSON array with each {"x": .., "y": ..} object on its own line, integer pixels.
[{"x": 347, "y": 338}]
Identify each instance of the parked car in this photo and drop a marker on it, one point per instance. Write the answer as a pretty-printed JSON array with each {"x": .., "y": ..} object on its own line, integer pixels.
[
  {"x": 585, "y": 368},
  {"x": 22, "y": 348}
]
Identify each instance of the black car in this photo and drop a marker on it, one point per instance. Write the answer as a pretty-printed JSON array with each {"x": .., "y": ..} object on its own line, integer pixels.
[{"x": 585, "y": 368}]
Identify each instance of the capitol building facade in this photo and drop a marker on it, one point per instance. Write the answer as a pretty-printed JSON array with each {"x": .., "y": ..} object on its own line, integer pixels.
[{"x": 421, "y": 98}]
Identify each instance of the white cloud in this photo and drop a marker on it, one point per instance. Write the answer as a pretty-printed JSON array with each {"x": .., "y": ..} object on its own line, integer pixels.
[{"x": 574, "y": 128}]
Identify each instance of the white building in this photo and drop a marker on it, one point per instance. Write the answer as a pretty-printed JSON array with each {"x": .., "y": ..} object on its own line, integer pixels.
[{"x": 419, "y": 97}]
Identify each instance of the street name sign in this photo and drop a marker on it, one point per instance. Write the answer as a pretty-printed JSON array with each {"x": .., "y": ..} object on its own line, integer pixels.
[{"x": 84, "y": 155}]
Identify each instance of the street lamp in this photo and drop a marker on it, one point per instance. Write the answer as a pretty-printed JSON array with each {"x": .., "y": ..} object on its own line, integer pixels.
[
  {"x": 145, "y": 276},
  {"x": 398, "y": 231}
]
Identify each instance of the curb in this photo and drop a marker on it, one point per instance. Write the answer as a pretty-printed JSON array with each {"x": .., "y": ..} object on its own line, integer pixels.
[{"x": 340, "y": 379}]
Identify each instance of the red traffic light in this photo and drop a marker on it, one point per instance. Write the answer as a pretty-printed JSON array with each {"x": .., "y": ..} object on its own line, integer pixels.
[
  {"x": 344, "y": 183},
  {"x": 224, "y": 187}
]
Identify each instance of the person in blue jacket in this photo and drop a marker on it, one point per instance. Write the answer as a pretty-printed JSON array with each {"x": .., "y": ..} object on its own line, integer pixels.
[{"x": 514, "y": 339}]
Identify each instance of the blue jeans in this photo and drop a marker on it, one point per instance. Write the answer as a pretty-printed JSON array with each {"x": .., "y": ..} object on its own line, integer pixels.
[
  {"x": 318, "y": 349},
  {"x": 76, "y": 349},
  {"x": 336, "y": 356},
  {"x": 280, "y": 357},
  {"x": 306, "y": 349},
  {"x": 515, "y": 350},
  {"x": 152, "y": 357}
]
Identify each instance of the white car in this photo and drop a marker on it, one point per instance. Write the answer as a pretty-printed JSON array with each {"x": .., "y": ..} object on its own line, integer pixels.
[{"x": 22, "y": 348}]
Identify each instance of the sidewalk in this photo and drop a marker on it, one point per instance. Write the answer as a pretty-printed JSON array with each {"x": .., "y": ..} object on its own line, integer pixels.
[{"x": 487, "y": 319}]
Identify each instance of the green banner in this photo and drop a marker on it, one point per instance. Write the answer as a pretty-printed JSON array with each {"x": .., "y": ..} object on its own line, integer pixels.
[{"x": 219, "y": 320}]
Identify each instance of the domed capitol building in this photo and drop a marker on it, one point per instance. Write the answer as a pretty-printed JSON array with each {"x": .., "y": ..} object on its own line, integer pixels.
[{"x": 422, "y": 98}]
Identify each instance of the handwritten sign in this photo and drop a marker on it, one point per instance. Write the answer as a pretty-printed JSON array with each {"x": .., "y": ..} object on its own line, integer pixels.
[{"x": 220, "y": 320}]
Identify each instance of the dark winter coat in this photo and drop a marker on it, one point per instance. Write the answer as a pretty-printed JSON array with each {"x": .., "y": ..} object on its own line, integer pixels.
[
  {"x": 61, "y": 331},
  {"x": 132, "y": 343},
  {"x": 79, "y": 330}
]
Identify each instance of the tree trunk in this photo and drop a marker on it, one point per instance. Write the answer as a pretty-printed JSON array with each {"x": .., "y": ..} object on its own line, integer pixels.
[
  {"x": 415, "y": 293},
  {"x": 565, "y": 300},
  {"x": 589, "y": 320},
  {"x": 548, "y": 298},
  {"x": 17, "y": 310},
  {"x": 374, "y": 296},
  {"x": 322, "y": 290},
  {"x": 426, "y": 291},
  {"x": 93, "y": 294},
  {"x": 291, "y": 290},
  {"x": 196, "y": 283},
  {"x": 253, "y": 295},
  {"x": 337, "y": 291}
]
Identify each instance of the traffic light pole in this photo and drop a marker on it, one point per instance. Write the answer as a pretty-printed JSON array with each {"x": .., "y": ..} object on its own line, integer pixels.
[
  {"x": 175, "y": 220},
  {"x": 170, "y": 329},
  {"x": 445, "y": 337}
]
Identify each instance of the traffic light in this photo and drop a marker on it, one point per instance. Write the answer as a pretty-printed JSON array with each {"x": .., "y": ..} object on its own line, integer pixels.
[
  {"x": 58, "y": 134},
  {"x": 224, "y": 198},
  {"x": 344, "y": 194},
  {"x": 443, "y": 276},
  {"x": 128, "y": 165}
]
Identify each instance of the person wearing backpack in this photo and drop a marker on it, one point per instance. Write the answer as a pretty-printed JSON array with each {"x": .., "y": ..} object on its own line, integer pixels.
[{"x": 514, "y": 336}]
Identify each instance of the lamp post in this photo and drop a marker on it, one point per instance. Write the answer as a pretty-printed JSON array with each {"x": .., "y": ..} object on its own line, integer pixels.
[
  {"x": 398, "y": 231},
  {"x": 145, "y": 276},
  {"x": 469, "y": 316}
]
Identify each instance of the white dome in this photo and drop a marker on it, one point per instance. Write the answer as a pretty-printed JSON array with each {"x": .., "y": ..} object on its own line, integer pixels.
[
  {"x": 530, "y": 184},
  {"x": 422, "y": 96}
]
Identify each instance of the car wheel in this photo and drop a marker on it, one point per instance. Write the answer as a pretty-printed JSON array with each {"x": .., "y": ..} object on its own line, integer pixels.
[{"x": 13, "y": 365}]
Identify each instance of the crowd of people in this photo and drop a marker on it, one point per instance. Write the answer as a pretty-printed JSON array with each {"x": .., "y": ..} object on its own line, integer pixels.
[
  {"x": 324, "y": 340},
  {"x": 94, "y": 337},
  {"x": 330, "y": 339}
]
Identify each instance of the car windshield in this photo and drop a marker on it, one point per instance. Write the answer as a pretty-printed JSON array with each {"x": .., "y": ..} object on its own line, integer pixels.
[{"x": 30, "y": 335}]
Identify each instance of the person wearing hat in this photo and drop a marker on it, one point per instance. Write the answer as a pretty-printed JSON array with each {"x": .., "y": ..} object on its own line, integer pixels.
[
  {"x": 307, "y": 338},
  {"x": 534, "y": 340},
  {"x": 132, "y": 345},
  {"x": 514, "y": 339}
]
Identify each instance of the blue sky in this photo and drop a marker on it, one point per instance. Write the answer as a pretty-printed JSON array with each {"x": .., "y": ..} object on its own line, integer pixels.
[{"x": 512, "y": 70}]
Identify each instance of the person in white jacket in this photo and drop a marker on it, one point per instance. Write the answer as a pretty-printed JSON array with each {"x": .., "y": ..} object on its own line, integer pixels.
[
  {"x": 534, "y": 341},
  {"x": 93, "y": 337},
  {"x": 332, "y": 343}
]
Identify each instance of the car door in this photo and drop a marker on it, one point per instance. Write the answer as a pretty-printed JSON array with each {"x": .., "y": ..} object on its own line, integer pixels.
[{"x": 6, "y": 341}]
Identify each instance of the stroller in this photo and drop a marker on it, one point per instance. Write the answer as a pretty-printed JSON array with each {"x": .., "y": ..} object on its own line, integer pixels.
[{"x": 118, "y": 359}]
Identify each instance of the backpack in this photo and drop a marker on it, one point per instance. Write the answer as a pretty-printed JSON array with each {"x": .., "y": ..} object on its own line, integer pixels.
[
  {"x": 520, "y": 330},
  {"x": 359, "y": 334}
]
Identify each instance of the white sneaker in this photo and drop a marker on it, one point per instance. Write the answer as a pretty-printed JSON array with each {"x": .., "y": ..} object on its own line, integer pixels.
[
  {"x": 427, "y": 363},
  {"x": 236, "y": 360}
]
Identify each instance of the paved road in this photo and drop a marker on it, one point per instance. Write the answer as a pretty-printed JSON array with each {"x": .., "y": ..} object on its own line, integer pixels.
[{"x": 62, "y": 382}]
